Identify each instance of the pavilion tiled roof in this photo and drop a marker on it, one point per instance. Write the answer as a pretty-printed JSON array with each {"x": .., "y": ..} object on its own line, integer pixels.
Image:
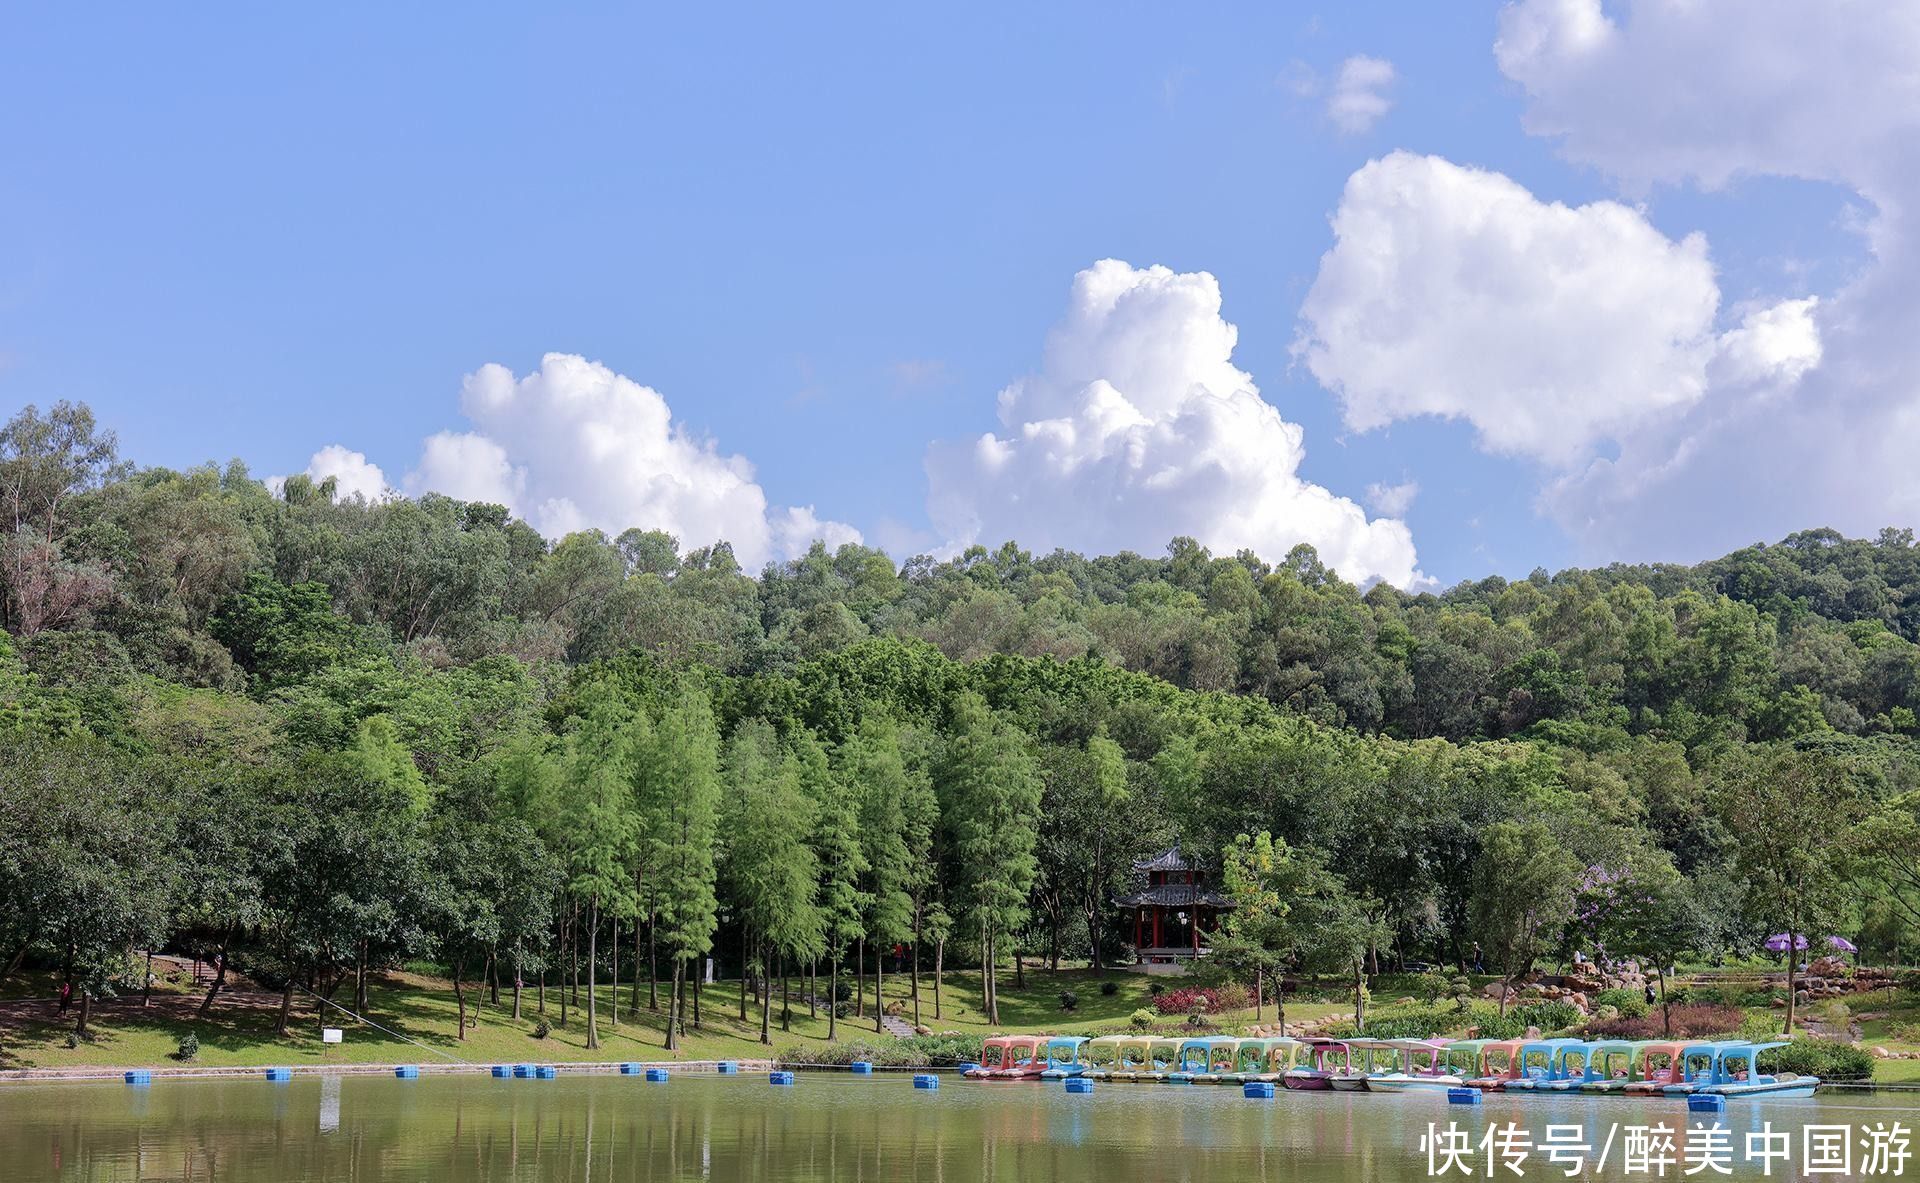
[
  {"x": 1174, "y": 895},
  {"x": 1168, "y": 860}
]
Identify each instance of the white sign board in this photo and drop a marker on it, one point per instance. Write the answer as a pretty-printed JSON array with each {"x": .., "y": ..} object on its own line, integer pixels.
[{"x": 329, "y": 1035}]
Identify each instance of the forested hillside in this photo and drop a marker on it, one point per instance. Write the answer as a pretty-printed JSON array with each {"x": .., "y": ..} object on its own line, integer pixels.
[{"x": 326, "y": 736}]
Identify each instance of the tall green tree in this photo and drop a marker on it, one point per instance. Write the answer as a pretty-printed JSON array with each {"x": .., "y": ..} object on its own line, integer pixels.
[
  {"x": 773, "y": 871},
  {"x": 1523, "y": 888},
  {"x": 990, "y": 799},
  {"x": 677, "y": 791}
]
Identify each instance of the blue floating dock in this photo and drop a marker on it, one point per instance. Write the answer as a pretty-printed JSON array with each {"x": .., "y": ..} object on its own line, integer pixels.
[
  {"x": 1258, "y": 1089},
  {"x": 925, "y": 1080},
  {"x": 523, "y": 1071},
  {"x": 545, "y": 1072},
  {"x": 629, "y": 1069},
  {"x": 279, "y": 1075},
  {"x": 503, "y": 1071},
  {"x": 1463, "y": 1096},
  {"x": 1079, "y": 1084},
  {"x": 966, "y": 1066},
  {"x": 657, "y": 1075},
  {"x": 1706, "y": 1103},
  {"x": 779, "y": 1077},
  {"x": 407, "y": 1071},
  {"x": 140, "y": 1076},
  {"x": 861, "y": 1068},
  {"x": 726, "y": 1068}
]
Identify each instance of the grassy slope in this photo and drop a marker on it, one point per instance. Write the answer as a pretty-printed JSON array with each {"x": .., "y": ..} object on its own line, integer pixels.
[{"x": 423, "y": 1009}]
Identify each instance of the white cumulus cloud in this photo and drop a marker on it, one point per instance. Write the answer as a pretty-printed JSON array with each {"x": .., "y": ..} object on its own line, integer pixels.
[
  {"x": 1138, "y": 427},
  {"x": 1455, "y": 292},
  {"x": 1705, "y": 92},
  {"x": 353, "y": 474},
  {"x": 574, "y": 445},
  {"x": 1361, "y": 93},
  {"x": 1392, "y": 500}
]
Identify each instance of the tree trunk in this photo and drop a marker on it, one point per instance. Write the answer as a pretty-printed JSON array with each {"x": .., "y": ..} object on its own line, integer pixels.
[
  {"x": 653, "y": 969},
  {"x": 860, "y": 977},
  {"x": 697, "y": 978},
  {"x": 1666, "y": 1012},
  {"x": 987, "y": 976},
  {"x": 813, "y": 988},
  {"x": 766, "y": 1006},
  {"x": 633, "y": 1003},
  {"x": 939, "y": 958},
  {"x": 786, "y": 1003},
  {"x": 493, "y": 978},
  {"x": 743, "y": 973},
  {"x": 516, "y": 989},
  {"x": 540, "y": 1004},
  {"x": 86, "y": 1012},
  {"x": 360, "y": 980},
  {"x": 593, "y": 937},
  {"x": 673, "y": 1006},
  {"x": 833, "y": 998},
  {"x": 286, "y": 1008},
  {"x": 460, "y": 998},
  {"x": 573, "y": 954},
  {"x": 219, "y": 972},
  {"x": 1259, "y": 991},
  {"x": 613, "y": 943},
  {"x": 146, "y": 983},
  {"x": 879, "y": 985},
  {"x": 913, "y": 966}
]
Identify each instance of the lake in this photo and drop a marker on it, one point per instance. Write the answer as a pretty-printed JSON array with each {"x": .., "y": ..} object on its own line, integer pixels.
[{"x": 828, "y": 1127}]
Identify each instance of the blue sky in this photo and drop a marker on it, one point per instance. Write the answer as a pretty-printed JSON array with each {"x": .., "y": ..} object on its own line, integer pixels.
[{"x": 828, "y": 237}]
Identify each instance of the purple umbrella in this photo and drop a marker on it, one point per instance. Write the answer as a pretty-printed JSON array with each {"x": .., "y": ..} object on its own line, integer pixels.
[
  {"x": 1777, "y": 943},
  {"x": 1843, "y": 944}
]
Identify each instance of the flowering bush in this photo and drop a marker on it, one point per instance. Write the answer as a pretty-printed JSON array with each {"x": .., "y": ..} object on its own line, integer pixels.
[
  {"x": 1187, "y": 1001},
  {"x": 1689, "y": 1022},
  {"x": 1232, "y": 996}
]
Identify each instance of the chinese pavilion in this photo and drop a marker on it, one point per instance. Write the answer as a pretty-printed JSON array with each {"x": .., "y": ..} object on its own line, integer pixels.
[{"x": 1174, "y": 908}]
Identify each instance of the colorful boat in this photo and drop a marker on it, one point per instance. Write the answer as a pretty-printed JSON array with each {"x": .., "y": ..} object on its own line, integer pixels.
[
  {"x": 1194, "y": 1061},
  {"x": 1159, "y": 1060},
  {"x": 1364, "y": 1061},
  {"x": 1250, "y": 1057},
  {"x": 1497, "y": 1063},
  {"x": 1103, "y": 1055},
  {"x": 1738, "y": 1075},
  {"x": 1062, "y": 1057},
  {"x": 1544, "y": 1063},
  {"x": 1613, "y": 1064},
  {"x": 1427, "y": 1065},
  {"x": 1010, "y": 1057},
  {"x": 1697, "y": 1066},
  {"x": 1658, "y": 1066},
  {"x": 1314, "y": 1064}
]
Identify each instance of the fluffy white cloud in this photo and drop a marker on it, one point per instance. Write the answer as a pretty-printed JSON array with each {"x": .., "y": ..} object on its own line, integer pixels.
[
  {"x": 1392, "y": 500},
  {"x": 1658, "y": 91},
  {"x": 1360, "y": 93},
  {"x": 1455, "y": 292},
  {"x": 353, "y": 474},
  {"x": 1138, "y": 427},
  {"x": 574, "y": 445}
]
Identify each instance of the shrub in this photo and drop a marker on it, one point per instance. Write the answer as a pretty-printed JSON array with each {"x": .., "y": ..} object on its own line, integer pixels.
[
  {"x": 1142, "y": 1019},
  {"x": 1548, "y": 1016},
  {"x": 1109, "y": 987},
  {"x": 1154, "y": 987},
  {"x": 843, "y": 992},
  {"x": 1069, "y": 1001},
  {"x": 542, "y": 1029},
  {"x": 1826, "y": 1058},
  {"x": 1232, "y": 996},
  {"x": 1187, "y": 1000},
  {"x": 1689, "y": 1022},
  {"x": 189, "y": 1047},
  {"x": 919, "y": 1051},
  {"x": 1628, "y": 1004}
]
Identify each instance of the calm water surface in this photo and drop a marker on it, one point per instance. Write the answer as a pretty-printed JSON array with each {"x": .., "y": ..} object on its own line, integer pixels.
[{"x": 828, "y": 1127}]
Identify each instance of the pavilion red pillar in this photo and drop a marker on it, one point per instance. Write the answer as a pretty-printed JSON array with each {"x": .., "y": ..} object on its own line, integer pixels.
[
  {"x": 1196, "y": 930},
  {"x": 1156, "y": 928}
]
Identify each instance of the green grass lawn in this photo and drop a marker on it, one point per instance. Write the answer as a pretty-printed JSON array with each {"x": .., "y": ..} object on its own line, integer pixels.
[{"x": 422, "y": 1009}]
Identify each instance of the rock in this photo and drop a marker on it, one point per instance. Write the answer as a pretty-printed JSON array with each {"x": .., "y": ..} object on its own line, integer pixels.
[
  {"x": 923, "y": 1031},
  {"x": 1880, "y": 1053},
  {"x": 1578, "y": 999},
  {"x": 1533, "y": 1033}
]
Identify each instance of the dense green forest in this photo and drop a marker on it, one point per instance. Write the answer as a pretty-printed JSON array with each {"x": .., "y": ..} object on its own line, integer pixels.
[{"x": 318, "y": 737}]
